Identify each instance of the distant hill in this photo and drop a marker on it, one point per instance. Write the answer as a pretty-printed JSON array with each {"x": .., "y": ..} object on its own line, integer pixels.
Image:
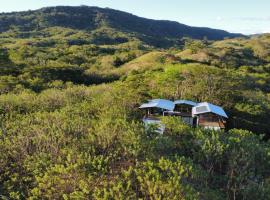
[{"x": 158, "y": 33}]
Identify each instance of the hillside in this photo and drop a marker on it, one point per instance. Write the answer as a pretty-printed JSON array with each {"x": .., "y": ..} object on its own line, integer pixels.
[
  {"x": 71, "y": 82},
  {"x": 159, "y": 33}
]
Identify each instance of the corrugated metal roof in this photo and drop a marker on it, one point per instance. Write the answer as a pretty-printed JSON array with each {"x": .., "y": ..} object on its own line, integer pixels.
[
  {"x": 206, "y": 107},
  {"x": 192, "y": 103},
  {"x": 159, "y": 103}
]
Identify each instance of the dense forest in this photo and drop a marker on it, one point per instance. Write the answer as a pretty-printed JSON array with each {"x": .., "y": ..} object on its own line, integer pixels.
[{"x": 71, "y": 82}]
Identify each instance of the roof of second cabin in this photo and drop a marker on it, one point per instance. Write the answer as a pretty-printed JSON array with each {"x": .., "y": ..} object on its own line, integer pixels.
[
  {"x": 206, "y": 107},
  {"x": 192, "y": 103},
  {"x": 159, "y": 103}
]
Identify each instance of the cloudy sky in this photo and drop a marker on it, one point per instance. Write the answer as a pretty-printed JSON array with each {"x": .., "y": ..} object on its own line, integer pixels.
[{"x": 242, "y": 16}]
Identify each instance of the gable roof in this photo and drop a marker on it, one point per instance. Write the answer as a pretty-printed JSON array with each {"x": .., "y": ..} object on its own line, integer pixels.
[
  {"x": 191, "y": 103},
  {"x": 206, "y": 107},
  {"x": 159, "y": 103}
]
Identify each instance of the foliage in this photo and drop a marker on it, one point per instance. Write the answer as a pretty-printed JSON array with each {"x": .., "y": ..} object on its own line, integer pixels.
[{"x": 71, "y": 82}]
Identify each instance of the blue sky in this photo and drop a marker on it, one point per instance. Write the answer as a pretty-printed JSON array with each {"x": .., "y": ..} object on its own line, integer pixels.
[{"x": 244, "y": 16}]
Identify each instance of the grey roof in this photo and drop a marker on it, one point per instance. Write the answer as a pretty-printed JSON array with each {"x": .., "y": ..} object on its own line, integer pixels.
[
  {"x": 206, "y": 107},
  {"x": 159, "y": 103},
  {"x": 192, "y": 103}
]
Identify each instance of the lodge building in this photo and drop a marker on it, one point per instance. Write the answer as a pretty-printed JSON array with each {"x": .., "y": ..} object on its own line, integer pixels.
[{"x": 205, "y": 115}]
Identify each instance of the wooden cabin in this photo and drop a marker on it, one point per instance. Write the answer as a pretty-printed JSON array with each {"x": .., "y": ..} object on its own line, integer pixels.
[
  {"x": 204, "y": 114},
  {"x": 209, "y": 116},
  {"x": 157, "y": 107},
  {"x": 154, "y": 109},
  {"x": 183, "y": 109}
]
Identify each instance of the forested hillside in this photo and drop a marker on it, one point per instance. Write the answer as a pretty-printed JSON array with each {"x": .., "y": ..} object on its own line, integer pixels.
[
  {"x": 159, "y": 33},
  {"x": 71, "y": 81}
]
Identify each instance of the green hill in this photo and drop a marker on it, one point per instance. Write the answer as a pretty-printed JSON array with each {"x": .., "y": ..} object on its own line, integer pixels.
[{"x": 159, "y": 33}]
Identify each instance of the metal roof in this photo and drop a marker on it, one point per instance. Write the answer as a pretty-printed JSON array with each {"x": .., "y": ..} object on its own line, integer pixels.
[
  {"x": 206, "y": 107},
  {"x": 159, "y": 103},
  {"x": 192, "y": 103}
]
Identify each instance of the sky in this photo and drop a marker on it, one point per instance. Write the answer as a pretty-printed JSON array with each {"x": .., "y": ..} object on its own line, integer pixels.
[{"x": 239, "y": 16}]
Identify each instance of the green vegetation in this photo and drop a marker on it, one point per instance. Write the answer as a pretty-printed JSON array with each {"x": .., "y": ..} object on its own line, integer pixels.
[{"x": 71, "y": 81}]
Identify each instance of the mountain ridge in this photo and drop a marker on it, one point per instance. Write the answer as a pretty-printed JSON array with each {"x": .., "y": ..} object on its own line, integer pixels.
[{"x": 88, "y": 18}]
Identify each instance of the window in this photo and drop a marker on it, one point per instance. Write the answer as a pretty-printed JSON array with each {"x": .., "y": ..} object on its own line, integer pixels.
[
  {"x": 183, "y": 108},
  {"x": 201, "y": 109}
]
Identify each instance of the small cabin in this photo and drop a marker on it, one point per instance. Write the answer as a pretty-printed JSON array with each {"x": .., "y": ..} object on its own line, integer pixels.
[
  {"x": 206, "y": 115},
  {"x": 209, "y": 116},
  {"x": 183, "y": 109},
  {"x": 157, "y": 107},
  {"x": 154, "y": 109}
]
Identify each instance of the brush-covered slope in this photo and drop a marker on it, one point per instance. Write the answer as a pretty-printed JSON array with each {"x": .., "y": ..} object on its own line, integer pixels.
[
  {"x": 159, "y": 33},
  {"x": 71, "y": 82}
]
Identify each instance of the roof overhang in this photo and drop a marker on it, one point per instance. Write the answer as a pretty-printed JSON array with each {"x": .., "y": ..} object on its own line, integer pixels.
[
  {"x": 187, "y": 102},
  {"x": 205, "y": 107},
  {"x": 159, "y": 103}
]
